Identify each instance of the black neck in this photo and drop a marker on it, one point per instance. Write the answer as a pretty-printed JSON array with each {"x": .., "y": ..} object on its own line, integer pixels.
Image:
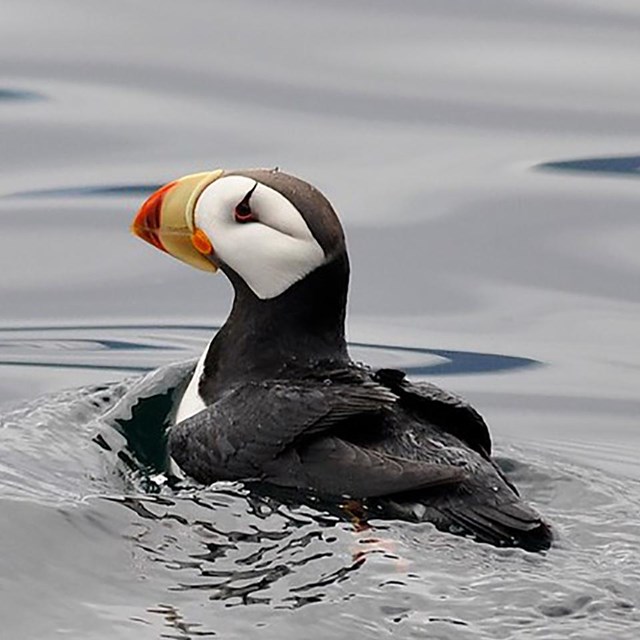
[{"x": 281, "y": 336}]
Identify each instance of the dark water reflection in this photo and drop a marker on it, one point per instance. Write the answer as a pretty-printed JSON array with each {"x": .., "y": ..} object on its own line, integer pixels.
[
  {"x": 11, "y": 95},
  {"x": 124, "y": 190},
  {"x": 617, "y": 165}
]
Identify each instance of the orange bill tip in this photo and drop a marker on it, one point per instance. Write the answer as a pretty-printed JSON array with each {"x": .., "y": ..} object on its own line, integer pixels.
[{"x": 146, "y": 224}]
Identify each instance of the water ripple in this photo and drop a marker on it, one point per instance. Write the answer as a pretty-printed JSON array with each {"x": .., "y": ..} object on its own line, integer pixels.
[
  {"x": 121, "y": 348},
  {"x": 615, "y": 165},
  {"x": 15, "y": 95},
  {"x": 91, "y": 191},
  {"x": 201, "y": 552}
]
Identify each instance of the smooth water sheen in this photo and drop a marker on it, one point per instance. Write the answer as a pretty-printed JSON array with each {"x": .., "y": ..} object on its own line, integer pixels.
[{"x": 484, "y": 158}]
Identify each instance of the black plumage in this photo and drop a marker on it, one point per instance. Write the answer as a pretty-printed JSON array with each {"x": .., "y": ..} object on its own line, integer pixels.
[{"x": 286, "y": 405}]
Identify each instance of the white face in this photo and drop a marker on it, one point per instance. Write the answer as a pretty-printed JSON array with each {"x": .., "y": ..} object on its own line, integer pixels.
[{"x": 270, "y": 253}]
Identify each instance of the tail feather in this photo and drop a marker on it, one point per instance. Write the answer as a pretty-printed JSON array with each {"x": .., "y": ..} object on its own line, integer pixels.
[
  {"x": 509, "y": 524},
  {"x": 515, "y": 515}
]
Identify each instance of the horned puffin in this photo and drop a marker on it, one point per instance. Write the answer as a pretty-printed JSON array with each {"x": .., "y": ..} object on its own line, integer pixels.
[{"x": 276, "y": 396}]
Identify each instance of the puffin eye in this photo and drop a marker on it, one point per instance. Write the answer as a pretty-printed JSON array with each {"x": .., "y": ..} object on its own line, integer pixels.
[{"x": 243, "y": 212}]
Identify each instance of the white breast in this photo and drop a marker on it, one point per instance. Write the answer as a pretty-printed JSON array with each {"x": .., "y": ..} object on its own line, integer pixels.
[{"x": 191, "y": 402}]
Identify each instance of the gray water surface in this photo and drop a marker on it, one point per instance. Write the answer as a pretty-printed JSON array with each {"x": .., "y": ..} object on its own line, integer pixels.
[{"x": 484, "y": 158}]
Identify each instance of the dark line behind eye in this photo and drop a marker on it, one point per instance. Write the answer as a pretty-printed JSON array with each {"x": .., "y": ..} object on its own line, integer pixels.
[{"x": 243, "y": 208}]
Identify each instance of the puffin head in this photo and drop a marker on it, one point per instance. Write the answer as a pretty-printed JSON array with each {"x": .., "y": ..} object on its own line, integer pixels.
[{"x": 261, "y": 227}]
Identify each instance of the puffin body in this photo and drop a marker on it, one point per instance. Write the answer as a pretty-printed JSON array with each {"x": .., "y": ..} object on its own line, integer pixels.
[{"x": 276, "y": 397}]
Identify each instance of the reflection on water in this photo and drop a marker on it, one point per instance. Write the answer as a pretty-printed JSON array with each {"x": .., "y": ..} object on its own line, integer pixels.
[
  {"x": 241, "y": 560},
  {"x": 623, "y": 165},
  {"x": 11, "y": 95},
  {"x": 123, "y": 190}
]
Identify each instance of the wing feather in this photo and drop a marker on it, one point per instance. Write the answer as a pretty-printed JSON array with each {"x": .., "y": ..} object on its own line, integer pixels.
[
  {"x": 256, "y": 422},
  {"x": 450, "y": 412},
  {"x": 334, "y": 466}
]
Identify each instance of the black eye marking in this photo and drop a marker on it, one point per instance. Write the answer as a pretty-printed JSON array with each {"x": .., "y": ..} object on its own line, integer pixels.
[{"x": 243, "y": 211}]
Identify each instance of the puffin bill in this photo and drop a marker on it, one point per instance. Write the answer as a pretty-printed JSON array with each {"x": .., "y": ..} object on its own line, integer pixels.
[{"x": 275, "y": 396}]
